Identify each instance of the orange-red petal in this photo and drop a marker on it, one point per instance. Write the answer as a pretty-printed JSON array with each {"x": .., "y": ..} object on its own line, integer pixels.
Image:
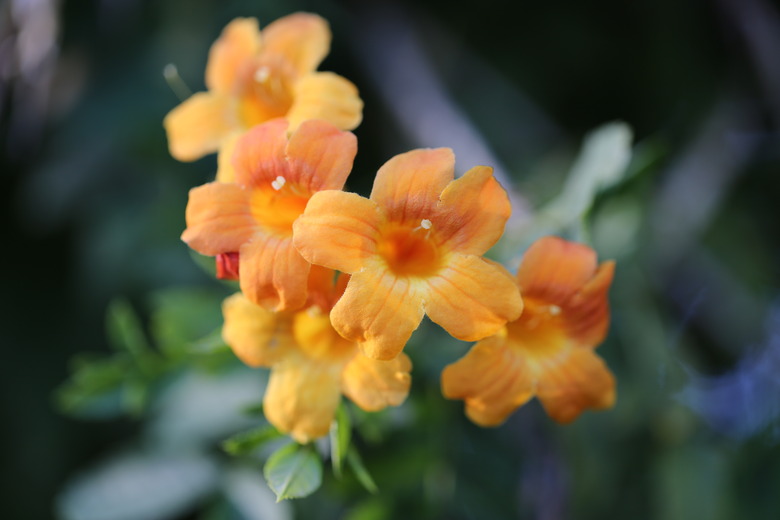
[
  {"x": 587, "y": 313},
  {"x": 199, "y": 125},
  {"x": 567, "y": 386},
  {"x": 373, "y": 384},
  {"x": 407, "y": 187},
  {"x": 233, "y": 50},
  {"x": 328, "y": 96},
  {"x": 338, "y": 230},
  {"x": 219, "y": 219},
  {"x": 258, "y": 337},
  {"x": 379, "y": 311},
  {"x": 272, "y": 273},
  {"x": 492, "y": 379},
  {"x": 320, "y": 156},
  {"x": 553, "y": 269},
  {"x": 472, "y": 297},
  {"x": 259, "y": 156},
  {"x": 472, "y": 212},
  {"x": 303, "y": 39},
  {"x": 302, "y": 396}
]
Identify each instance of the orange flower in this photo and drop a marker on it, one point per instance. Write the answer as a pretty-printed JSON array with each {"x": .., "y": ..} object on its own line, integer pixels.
[
  {"x": 413, "y": 248},
  {"x": 549, "y": 351},
  {"x": 311, "y": 365},
  {"x": 253, "y": 77},
  {"x": 253, "y": 216}
]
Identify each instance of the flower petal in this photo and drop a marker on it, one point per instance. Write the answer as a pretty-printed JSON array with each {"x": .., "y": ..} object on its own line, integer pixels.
[
  {"x": 236, "y": 46},
  {"x": 328, "y": 96},
  {"x": 374, "y": 385},
  {"x": 338, "y": 230},
  {"x": 272, "y": 273},
  {"x": 320, "y": 156},
  {"x": 199, "y": 125},
  {"x": 587, "y": 313},
  {"x": 259, "y": 156},
  {"x": 258, "y": 337},
  {"x": 303, "y": 39},
  {"x": 302, "y": 396},
  {"x": 218, "y": 218},
  {"x": 408, "y": 186},
  {"x": 472, "y": 297},
  {"x": 379, "y": 311},
  {"x": 473, "y": 211},
  {"x": 225, "y": 170},
  {"x": 492, "y": 379},
  {"x": 553, "y": 269},
  {"x": 568, "y": 386}
]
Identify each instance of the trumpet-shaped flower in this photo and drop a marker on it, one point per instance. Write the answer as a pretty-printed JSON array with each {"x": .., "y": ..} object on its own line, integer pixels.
[
  {"x": 255, "y": 76},
  {"x": 413, "y": 248},
  {"x": 311, "y": 365},
  {"x": 253, "y": 216},
  {"x": 549, "y": 351}
]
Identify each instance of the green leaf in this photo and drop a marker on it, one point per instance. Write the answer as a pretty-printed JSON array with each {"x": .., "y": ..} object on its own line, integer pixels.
[
  {"x": 602, "y": 163},
  {"x": 135, "y": 395},
  {"x": 246, "y": 442},
  {"x": 340, "y": 436},
  {"x": 293, "y": 471},
  {"x": 184, "y": 319},
  {"x": 94, "y": 386},
  {"x": 124, "y": 329},
  {"x": 362, "y": 474}
]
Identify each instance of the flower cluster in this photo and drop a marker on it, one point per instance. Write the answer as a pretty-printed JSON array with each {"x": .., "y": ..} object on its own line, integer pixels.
[{"x": 334, "y": 284}]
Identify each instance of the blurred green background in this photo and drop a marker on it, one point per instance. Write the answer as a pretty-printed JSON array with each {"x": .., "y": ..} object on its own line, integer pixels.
[{"x": 94, "y": 205}]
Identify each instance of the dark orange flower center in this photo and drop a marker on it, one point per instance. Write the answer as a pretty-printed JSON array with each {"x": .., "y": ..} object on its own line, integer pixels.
[
  {"x": 540, "y": 331},
  {"x": 265, "y": 91},
  {"x": 276, "y": 210},
  {"x": 410, "y": 251}
]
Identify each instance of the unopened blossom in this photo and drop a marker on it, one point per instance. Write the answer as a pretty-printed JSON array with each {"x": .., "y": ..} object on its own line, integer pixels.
[
  {"x": 311, "y": 364},
  {"x": 414, "y": 248},
  {"x": 549, "y": 351},
  {"x": 255, "y": 76}
]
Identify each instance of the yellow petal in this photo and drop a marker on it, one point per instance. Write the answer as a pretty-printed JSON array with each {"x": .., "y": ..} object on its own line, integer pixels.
[
  {"x": 272, "y": 273},
  {"x": 219, "y": 219},
  {"x": 472, "y": 298},
  {"x": 472, "y": 212},
  {"x": 379, "y": 311},
  {"x": 492, "y": 379},
  {"x": 567, "y": 386},
  {"x": 225, "y": 171},
  {"x": 258, "y": 337},
  {"x": 338, "y": 230},
  {"x": 328, "y": 96},
  {"x": 320, "y": 156},
  {"x": 317, "y": 338},
  {"x": 303, "y": 39},
  {"x": 199, "y": 125},
  {"x": 407, "y": 187},
  {"x": 259, "y": 156},
  {"x": 553, "y": 269},
  {"x": 302, "y": 396},
  {"x": 373, "y": 384},
  {"x": 233, "y": 51}
]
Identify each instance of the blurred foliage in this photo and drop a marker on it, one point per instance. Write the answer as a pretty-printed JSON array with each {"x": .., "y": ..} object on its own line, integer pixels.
[{"x": 94, "y": 268}]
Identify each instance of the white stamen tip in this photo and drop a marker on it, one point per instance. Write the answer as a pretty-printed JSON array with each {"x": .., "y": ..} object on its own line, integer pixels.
[
  {"x": 262, "y": 74},
  {"x": 278, "y": 183},
  {"x": 425, "y": 223},
  {"x": 554, "y": 310}
]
